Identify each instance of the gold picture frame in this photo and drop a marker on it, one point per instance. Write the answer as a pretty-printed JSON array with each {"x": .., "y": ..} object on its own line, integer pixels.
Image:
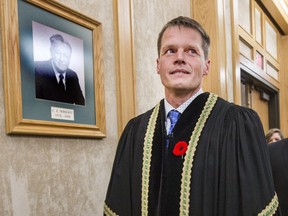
[{"x": 26, "y": 114}]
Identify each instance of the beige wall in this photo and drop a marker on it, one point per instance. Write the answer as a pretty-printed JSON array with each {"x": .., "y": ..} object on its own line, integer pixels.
[{"x": 148, "y": 20}]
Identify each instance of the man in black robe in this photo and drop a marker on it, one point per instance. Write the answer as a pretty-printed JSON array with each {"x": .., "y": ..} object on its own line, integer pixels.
[
  {"x": 214, "y": 162},
  {"x": 279, "y": 162}
]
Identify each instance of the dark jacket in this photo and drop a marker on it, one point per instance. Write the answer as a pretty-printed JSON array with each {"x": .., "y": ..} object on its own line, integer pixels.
[
  {"x": 279, "y": 162},
  {"x": 47, "y": 87}
]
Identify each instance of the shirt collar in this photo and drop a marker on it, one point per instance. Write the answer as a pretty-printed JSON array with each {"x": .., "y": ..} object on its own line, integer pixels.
[
  {"x": 57, "y": 73},
  {"x": 183, "y": 106}
]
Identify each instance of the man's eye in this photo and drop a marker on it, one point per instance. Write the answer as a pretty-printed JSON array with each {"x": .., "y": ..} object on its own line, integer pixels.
[
  {"x": 192, "y": 52},
  {"x": 169, "y": 51}
]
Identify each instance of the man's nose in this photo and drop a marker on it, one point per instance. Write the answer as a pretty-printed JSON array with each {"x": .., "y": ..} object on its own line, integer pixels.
[
  {"x": 63, "y": 57},
  {"x": 180, "y": 57}
]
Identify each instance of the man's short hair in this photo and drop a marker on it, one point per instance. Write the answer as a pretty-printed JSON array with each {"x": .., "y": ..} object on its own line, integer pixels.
[
  {"x": 186, "y": 22},
  {"x": 56, "y": 38}
]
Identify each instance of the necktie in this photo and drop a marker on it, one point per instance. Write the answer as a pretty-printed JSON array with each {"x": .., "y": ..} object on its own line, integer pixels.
[
  {"x": 173, "y": 115},
  {"x": 61, "y": 83}
]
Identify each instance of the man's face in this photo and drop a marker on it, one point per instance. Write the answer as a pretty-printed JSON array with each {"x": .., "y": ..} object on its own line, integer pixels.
[
  {"x": 61, "y": 54},
  {"x": 181, "y": 64}
]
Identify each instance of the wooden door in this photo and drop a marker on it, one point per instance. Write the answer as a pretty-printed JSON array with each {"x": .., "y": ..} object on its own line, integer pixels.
[
  {"x": 253, "y": 98},
  {"x": 261, "y": 107}
]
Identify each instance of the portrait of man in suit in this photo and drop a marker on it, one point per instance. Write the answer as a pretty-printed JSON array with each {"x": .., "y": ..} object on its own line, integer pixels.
[{"x": 54, "y": 80}]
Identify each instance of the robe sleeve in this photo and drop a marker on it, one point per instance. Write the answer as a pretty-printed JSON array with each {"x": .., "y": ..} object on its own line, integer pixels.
[
  {"x": 246, "y": 182},
  {"x": 118, "y": 197}
]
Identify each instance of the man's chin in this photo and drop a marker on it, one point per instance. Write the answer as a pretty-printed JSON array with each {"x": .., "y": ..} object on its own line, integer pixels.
[{"x": 61, "y": 70}]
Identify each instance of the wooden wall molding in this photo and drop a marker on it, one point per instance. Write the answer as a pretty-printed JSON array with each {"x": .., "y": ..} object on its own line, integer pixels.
[
  {"x": 282, "y": 84},
  {"x": 125, "y": 69},
  {"x": 214, "y": 24},
  {"x": 235, "y": 52},
  {"x": 278, "y": 13},
  {"x": 283, "y": 93}
]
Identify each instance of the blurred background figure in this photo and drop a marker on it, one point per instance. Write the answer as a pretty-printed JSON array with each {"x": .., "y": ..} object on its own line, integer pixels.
[{"x": 274, "y": 135}]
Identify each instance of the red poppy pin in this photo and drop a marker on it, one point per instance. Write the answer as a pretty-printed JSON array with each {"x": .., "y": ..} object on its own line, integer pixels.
[{"x": 180, "y": 148}]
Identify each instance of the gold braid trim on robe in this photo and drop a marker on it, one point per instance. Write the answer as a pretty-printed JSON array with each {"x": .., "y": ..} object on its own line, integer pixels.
[
  {"x": 108, "y": 211},
  {"x": 271, "y": 208},
  {"x": 188, "y": 161},
  {"x": 147, "y": 154}
]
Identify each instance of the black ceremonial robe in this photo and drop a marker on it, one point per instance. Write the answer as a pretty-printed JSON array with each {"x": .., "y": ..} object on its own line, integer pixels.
[
  {"x": 231, "y": 173},
  {"x": 279, "y": 162}
]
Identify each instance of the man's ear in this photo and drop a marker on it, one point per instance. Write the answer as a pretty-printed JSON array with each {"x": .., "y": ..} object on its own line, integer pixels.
[
  {"x": 158, "y": 66},
  {"x": 207, "y": 67}
]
